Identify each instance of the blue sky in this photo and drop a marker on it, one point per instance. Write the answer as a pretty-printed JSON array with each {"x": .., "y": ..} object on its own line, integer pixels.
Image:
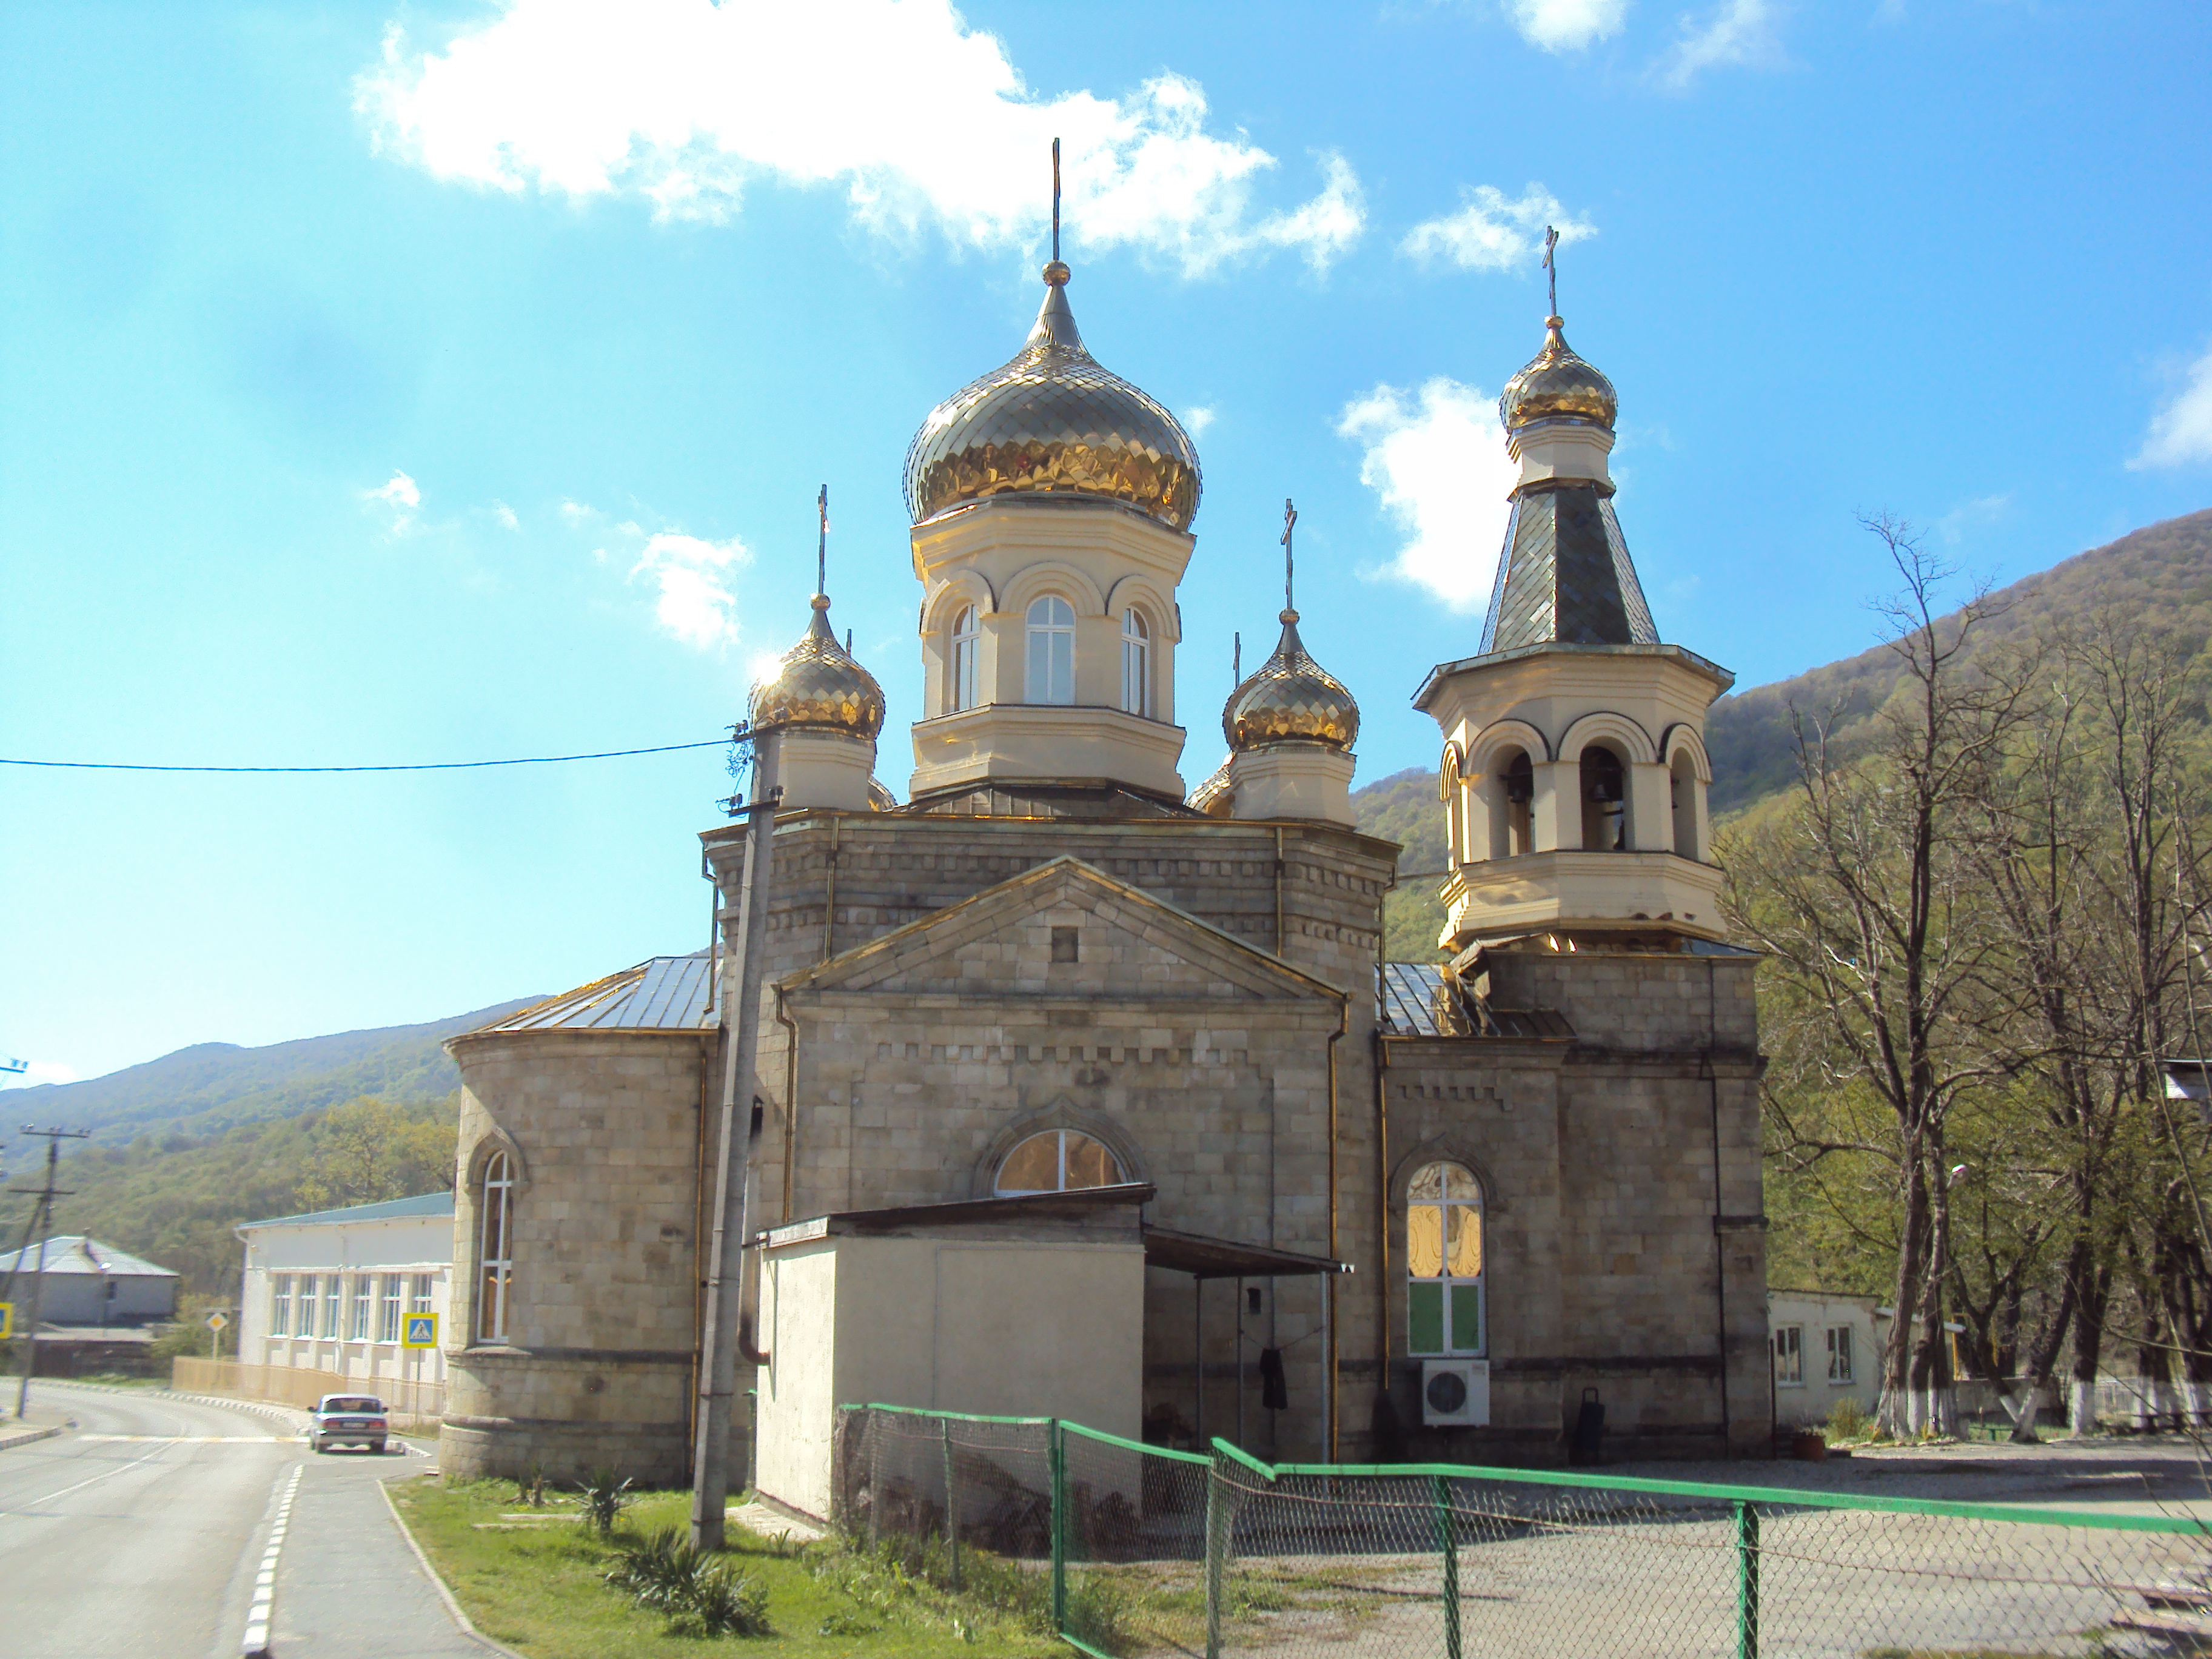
[{"x": 446, "y": 382}]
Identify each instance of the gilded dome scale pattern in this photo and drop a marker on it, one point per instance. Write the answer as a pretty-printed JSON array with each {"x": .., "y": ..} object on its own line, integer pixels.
[
  {"x": 1053, "y": 420},
  {"x": 818, "y": 686},
  {"x": 1291, "y": 698},
  {"x": 1558, "y": 383}
]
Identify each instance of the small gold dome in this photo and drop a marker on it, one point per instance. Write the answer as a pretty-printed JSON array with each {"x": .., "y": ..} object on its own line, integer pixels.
[
  {"x": 1052, "y": 422},
  {"x": 1558, "y": 383},
  {"x": 1290, "y": 699},
  {"x": 1214, "y": 796},
  {"x": 819, "y": 687}
]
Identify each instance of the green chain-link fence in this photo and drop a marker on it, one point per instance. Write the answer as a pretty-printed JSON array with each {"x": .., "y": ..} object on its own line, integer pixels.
[{"x": 1132, "y": 1550}]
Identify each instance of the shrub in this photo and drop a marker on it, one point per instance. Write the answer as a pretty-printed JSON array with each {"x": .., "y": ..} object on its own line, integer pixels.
[
  {"x": 601, "y": 1499},
  {"x": 1848, "y": 1420},
  {"x": 699, "y": 1595}
]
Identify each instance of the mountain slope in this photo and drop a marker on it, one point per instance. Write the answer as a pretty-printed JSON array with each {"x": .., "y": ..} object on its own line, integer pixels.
[
  {"x": 214, "y": 1086},
  {"x": 2158, "y": 577}
]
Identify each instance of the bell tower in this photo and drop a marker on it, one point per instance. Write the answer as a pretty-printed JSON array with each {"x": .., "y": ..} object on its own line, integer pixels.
[{"x": 1574, "y": 772}]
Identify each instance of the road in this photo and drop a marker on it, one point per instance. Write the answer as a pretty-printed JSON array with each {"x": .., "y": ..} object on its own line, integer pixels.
[{"x": 141, "y": 1531}]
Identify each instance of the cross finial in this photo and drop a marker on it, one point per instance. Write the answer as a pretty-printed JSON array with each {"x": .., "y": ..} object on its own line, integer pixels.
[
  {"x": 1290, "y": 523},
  {"x": 1236, "y": 657},
  {"x": 1550, "y": 244},
  {"x": 821, "y": 546},
  {"x": 1055, "y": 201}
]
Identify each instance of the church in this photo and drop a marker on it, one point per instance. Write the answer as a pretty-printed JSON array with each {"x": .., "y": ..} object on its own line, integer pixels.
[{"x": 1375, "y": 1209}]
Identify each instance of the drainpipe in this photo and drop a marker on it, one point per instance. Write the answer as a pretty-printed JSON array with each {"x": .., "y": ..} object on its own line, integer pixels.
[
  {"x": 1343, "y": 1025},
  {"x": 1720, "y": 1238},
  {"x": 790, "y": 1092}
]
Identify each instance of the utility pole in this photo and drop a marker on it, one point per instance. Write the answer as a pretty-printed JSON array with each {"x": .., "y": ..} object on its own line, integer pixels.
[
  {"x": 41, "y": 1223},
  {"x": 733, "y": 1185}
]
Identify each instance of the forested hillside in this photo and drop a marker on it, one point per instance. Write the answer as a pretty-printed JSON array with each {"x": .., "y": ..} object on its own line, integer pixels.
[
  {"x": 2160, "y": 574},
  {"x": 213, "y": 1086}
]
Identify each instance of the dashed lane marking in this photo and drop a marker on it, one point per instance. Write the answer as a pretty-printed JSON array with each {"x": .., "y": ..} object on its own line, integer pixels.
[
  {"x": 201, "y": 1439},
  {"x": 255, "y": 1644},
  {"x": 108, "y": 1474}
]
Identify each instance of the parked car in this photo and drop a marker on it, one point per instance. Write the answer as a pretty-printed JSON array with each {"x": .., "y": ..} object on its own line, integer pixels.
[{"x": 350, "y": 1420}]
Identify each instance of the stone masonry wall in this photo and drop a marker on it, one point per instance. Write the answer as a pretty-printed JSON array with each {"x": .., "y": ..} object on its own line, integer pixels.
[{"x": 596, "y": 1368}]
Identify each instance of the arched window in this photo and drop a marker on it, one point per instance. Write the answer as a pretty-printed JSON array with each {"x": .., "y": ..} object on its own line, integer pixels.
[
  {"x": 1051, "y": 651},
  {"x": 1605, "y": 801},
  {"x": 495, "y": 1262},
  {"x": 1683, "y": 782},
  {"x": 1057, "y": 1161},
  {"x": 1520, "y": 798},
  {"x": 965, "y": 637},
  {"x": 1444, "y": 1262},
  {"x": 1136, "y": 665}
]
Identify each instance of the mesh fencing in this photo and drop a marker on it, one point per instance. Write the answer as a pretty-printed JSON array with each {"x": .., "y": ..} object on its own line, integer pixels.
[{"x": 1126, "y": 1550}]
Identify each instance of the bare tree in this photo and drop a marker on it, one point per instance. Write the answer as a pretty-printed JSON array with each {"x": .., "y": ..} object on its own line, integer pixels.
[{"x": 1863, "y": 896}]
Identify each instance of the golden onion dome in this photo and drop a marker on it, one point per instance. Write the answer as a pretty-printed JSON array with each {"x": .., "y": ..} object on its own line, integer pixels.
[
  {"x": 1290, "y": 699},
  {"x": 1558, "y": 383},
  {"x": 1052, "y": 422},
  {"x": 881, "y": 799},
  {"x": 1215, "y": 797},
  {"x": 819, "y": 687}
]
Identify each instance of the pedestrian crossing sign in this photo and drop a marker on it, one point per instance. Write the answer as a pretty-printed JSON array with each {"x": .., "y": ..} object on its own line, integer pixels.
[
  {"x": 7, "y": 1320},
  {"x": 420, "y": 1331}
]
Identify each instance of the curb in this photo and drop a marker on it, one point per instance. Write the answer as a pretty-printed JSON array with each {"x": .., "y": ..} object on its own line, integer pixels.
[
  {"x": 288, "y": 1416},
  {"x": 453, "y": 1606},
  {"x": 24, "y": 1436}
]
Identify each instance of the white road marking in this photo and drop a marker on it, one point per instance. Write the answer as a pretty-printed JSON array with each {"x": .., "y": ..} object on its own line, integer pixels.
[
  {"x": 202, "y": 1439},
  {"x": 255, "y": 1644},
  {"x": 121, "y": 1469}
]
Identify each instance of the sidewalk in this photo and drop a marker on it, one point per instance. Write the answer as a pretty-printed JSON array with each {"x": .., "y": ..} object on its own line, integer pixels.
[
  {"x": 43, "y": 1423},
  {"x": 347, "y": 1585}
]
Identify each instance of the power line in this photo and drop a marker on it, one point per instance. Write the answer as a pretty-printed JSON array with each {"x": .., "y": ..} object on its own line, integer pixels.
[{"x": 423, "y": 766}]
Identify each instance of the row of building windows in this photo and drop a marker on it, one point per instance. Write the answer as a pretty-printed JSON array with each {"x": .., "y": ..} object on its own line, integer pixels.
[
  {"x": 1048, "y": 657},
  {"x": 1507, "y": 802},
  {"x": 1789, "y": 1354},
  {"x": 345, "y": 1307},
  {"x": 1445, "y": 1288}
]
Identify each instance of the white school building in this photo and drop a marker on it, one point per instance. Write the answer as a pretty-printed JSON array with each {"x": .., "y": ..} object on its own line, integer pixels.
[{"x": 327, "y": 1293}]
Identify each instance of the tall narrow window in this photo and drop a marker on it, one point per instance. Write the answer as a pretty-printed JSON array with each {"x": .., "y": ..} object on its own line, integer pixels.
[
  {"x": 387, "y": 1310},
  {"x": 495, "y": 1261},
  {"x": 1839, "y": 1353},
  {"x": 333, "y": 1300},
  {"x": 418, "y": 1294},
  {"x": 280, "y": 1305},
  {"x": 1057, "y": 1161},
  {"x": 1444, "y": 1262},
  {"x": 1789, "y": 1356},
  {"x": 1051, "y": 651},
  {"x": 1682, "y": 782},
  {"x": 1520, "y": 798},
  {"x": 310, "y": 1290},
  {"x": 364, "y": 1293},
  {"x": 1136, "y": 665},
  {"x": 1605, "y": 801},
  {"x": 966, "y": 636}
]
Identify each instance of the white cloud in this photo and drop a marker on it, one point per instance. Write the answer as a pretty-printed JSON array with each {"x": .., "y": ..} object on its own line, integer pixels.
[
  {"x": 1982, "y": 510},
  {"x": 1566, "y": 25},
  {"x": 1437, "y": 460},
  {"x": 399, "y": 496},
  {"x": 919, "y": 119},
  {"x": 577, "y": 512},
  {"x": 694, "y": 603},
  {"x": 1195, "y": 421},
  {"x": 504, "y": 514},
  {"x": 1490, "y": 233},
  {"x": 2181, "y": 433},
  {"x": 1735, "y": 33}
]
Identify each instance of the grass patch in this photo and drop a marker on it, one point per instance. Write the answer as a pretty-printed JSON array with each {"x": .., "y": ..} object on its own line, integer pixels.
[{"x": 542, "y": 1589}]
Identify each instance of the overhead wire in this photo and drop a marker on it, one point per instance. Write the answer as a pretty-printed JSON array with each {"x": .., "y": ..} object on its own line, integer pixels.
[{"x": 418, "y": 766}]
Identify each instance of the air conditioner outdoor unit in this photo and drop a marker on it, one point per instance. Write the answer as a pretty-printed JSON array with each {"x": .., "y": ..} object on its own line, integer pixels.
[{"x": 1455, "y": 1393}]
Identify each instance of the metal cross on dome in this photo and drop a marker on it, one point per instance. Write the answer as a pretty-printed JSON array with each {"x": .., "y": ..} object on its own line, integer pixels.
[
  {"x": 821, "y": 546},
  {"x": 1551, "y": 242},
  {"x": 1290, "y": 523},
  {"x": 1055, "y": 201}
]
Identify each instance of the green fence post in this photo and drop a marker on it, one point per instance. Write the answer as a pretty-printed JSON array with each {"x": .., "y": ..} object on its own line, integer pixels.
[
  {"x": 1746, "y": 1583},
  {"x": 1217, "y": 1510},
  {"x": 1448, "y": 1547},
  {"x": 1058, "y": 1529},
  {"x": 951, "y": 1501}
]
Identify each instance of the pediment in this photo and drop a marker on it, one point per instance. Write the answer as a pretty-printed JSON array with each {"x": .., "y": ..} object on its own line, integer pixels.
[{"x": 1000, "y": 944}]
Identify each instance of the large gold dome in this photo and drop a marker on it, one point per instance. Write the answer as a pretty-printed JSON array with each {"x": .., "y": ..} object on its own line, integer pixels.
[
  {"x": 1291, "y": 698},
  {"x": 1053, "y": 420},
  {"x": 1558, "y": 383},
  {"x": 818, "y": 686}
]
